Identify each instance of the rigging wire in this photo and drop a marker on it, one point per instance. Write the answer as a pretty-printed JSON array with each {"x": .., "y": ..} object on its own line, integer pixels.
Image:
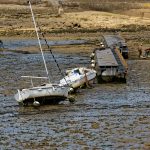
[
  {"x": 62, "y": 74},
  {"x": 51, "y": 52},
  {"x": 40, "y": 31},
  {"x": 35, "y": 26}
]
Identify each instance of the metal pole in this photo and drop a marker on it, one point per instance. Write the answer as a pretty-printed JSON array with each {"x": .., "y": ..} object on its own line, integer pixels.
[{"x": 35, "y": 25}]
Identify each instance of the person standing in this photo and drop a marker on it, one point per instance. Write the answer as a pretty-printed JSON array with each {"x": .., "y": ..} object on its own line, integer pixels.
[
  {"x": 60, "y": 8},
  {"x": 140, "y": 50}
]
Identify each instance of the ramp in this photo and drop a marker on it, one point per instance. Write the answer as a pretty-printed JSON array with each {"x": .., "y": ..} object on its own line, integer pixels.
[{"x": 116, "y": 41}]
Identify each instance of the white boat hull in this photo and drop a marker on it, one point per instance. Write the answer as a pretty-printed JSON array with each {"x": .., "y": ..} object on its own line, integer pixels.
[
  {"x": 48, "y": 91},
  {"x": 77, "y": 80}
]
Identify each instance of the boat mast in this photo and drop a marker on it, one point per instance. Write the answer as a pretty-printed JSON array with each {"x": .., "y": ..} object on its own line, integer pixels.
[{"x": 35, "y": 25}]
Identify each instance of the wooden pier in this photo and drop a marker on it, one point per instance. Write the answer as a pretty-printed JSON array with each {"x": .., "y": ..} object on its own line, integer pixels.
[
  {"x": 109, "y": 62},
  {"x": 116, "y": 41}
]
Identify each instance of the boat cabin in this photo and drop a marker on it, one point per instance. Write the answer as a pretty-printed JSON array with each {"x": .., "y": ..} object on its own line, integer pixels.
[{"x": 77, "y": 71}]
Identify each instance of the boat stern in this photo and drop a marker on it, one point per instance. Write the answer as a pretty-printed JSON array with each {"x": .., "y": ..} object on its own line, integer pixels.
[{"x": 18, "y": 96}]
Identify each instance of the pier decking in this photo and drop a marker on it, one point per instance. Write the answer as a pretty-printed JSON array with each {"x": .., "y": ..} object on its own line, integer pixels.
[
  {"x": 105, "y": 58},
  {"x": 109, "y": 61},
  {"x": 116, "y": 41}
]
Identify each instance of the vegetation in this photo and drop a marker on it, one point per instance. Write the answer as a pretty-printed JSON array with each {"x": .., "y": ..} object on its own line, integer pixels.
[
  {"x": 110, "y": 6},
  {"x": 19, "y": 2},
  {"x": 98, "y": 5}
]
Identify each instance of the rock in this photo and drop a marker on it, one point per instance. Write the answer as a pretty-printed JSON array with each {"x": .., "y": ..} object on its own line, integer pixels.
[{"x": 95, "y": 125}]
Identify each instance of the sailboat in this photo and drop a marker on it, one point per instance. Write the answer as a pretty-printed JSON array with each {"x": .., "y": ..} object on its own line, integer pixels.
[
  {"x": 77, "y": 77},
  {"x": 46, "y": 93}
]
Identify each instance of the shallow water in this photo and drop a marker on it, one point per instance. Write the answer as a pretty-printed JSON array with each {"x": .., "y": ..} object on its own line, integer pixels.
[
  {"x": 15, "y": 44},
  {"x": 108, "y": 116}
]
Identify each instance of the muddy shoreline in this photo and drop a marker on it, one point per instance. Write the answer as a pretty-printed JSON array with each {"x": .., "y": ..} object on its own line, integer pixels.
[
  {"x": 133, "y": 39},
  {"x": 107, "y": 116}
]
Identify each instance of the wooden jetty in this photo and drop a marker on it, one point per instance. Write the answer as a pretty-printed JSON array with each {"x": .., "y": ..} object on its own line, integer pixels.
[
  {"x": 116, "y": 41},
  {"x": 109, "y": 64}
]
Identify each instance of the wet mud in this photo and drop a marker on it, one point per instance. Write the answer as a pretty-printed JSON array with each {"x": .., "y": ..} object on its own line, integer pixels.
[
  {"x": 16, "y": 44},
  {"x": 108, "y": 116}
]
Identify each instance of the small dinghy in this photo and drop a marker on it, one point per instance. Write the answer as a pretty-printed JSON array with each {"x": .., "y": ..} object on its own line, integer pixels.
[
  {"x": 77, "y": 77},
  {"x": 48, "y": 93}
]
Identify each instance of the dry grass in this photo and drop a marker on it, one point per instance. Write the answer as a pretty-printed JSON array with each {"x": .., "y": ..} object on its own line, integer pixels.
[
  {"x": 9, "y": 1},
  {"x": 98, "y": 5},
  {"x": 18, "y": 2},
  {"x": 95, "y": 1},
  {"x": 15, "y": 19},
  {"x": 111, "y": 6},
  {"x": 146, "y": 5}
]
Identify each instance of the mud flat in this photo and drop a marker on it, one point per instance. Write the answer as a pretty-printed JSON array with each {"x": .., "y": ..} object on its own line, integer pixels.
[
  {"x": 108, "y": 116},
  {"x": 114, "y": 116}
]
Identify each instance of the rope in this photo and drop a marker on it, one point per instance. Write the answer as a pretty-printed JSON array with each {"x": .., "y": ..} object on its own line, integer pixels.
[
  {"x": 36, "y": 25},
  {"x": 51, "y": 52},
  {"x": 62, "y": 74}
]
